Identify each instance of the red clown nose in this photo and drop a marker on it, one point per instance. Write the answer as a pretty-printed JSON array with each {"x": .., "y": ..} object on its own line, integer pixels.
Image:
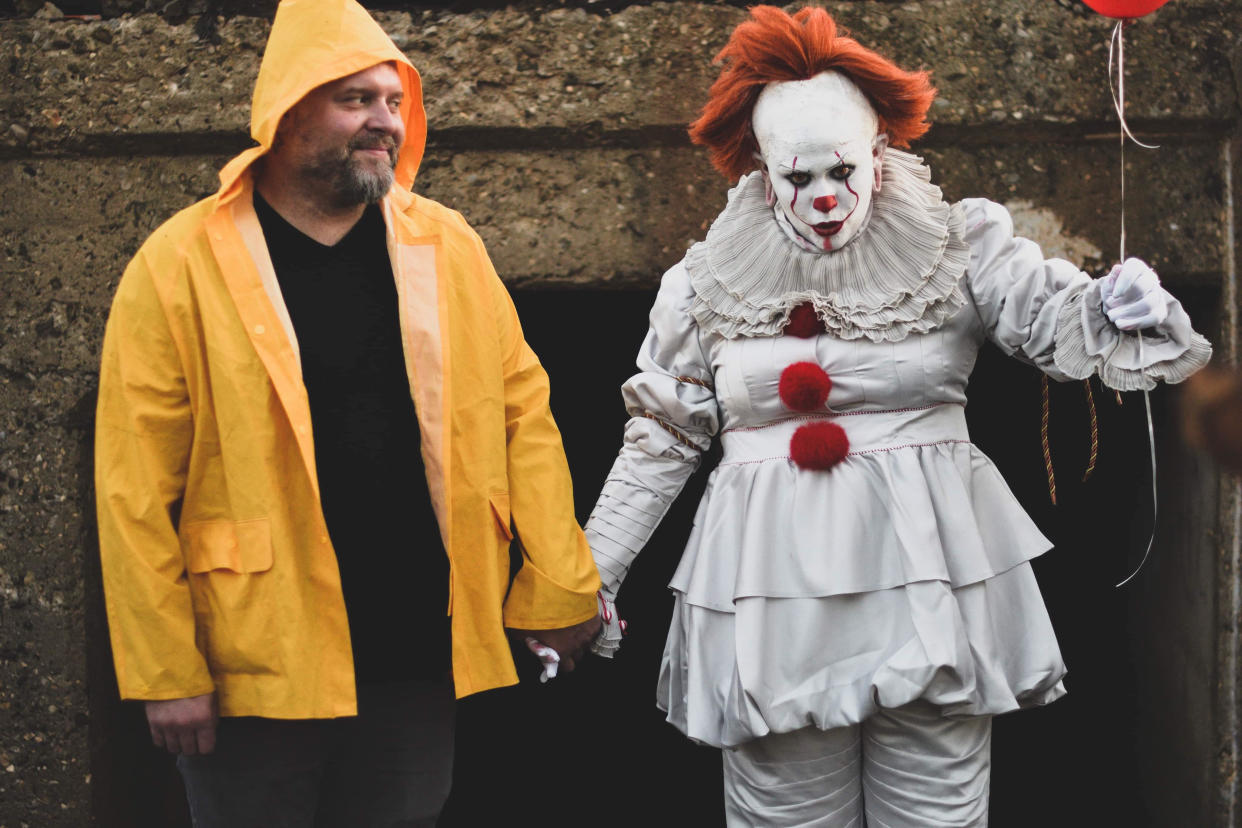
[{"x": 824, "y": 203}]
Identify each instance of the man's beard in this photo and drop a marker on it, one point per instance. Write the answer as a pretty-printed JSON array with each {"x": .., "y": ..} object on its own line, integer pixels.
[{"x": 351, "y": 180}]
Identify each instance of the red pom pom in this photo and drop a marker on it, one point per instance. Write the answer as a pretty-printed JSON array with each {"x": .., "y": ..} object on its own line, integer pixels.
[
  {"x": 819, "y": 446},
  {"x": 803, "y": 322},
  {"x": 804, "y": 386}
]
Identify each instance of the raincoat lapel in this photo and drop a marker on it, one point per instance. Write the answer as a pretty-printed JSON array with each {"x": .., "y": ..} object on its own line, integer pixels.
[
  {"x": 423, "y": 307},
  {"x": 243, "y": 259}
]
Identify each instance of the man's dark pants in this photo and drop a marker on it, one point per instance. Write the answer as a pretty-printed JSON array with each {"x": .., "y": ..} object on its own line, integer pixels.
[{"x": 389, "y": 766}]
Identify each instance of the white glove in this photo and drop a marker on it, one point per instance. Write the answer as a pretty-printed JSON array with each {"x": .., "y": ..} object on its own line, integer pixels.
[
  {"x": 608, "y": 640},
  {"x": 550, "y": 659},
  {"x": 1132, "y": 296}
]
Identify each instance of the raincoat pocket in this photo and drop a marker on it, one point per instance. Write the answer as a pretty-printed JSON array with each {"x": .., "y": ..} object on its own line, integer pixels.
[
  {"x": 236, "y": 601},
  {"x": 235, "y": 546},
  {"x": 500, "y": 510}
]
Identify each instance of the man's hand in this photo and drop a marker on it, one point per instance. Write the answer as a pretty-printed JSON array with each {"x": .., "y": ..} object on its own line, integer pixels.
[
  {"x": 569, "y": 642},
  {"x": 185, "y": 726}
]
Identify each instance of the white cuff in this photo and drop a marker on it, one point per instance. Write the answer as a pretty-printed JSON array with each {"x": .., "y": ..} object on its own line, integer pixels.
[{"x": 1088, "y": 343}]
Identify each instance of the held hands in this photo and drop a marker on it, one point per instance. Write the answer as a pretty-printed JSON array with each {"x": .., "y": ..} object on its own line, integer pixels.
[
  {"x": 567, "y": 644},
  {"x": 1132, "y": 296},
  {"x": 186, "y": 726},
  {"x": 548, "y": 657}
]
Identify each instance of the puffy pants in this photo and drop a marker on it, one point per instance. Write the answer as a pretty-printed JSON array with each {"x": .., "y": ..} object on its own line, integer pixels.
[
  {"x": 391, "y": 765},
  {"x": 900, "y": 768}
]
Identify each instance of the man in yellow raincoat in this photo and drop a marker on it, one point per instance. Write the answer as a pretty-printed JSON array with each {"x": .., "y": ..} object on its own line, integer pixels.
[{"x": 319, "y": 430}]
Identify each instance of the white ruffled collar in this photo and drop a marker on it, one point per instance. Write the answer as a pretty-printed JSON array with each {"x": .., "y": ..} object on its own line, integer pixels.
[{"x": 899, "y": 276}]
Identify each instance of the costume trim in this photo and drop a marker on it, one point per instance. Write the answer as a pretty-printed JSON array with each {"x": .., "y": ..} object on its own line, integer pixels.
[
  {"x": 1087, "y": 343},
  {"x": 748, "y": 275},
  {"x": 677, "y": 434}
]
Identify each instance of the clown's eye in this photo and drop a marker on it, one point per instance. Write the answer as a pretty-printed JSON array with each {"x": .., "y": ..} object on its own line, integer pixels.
[
  {"x": 798, "y": 178},
  {"x": 842, "y": 172}
]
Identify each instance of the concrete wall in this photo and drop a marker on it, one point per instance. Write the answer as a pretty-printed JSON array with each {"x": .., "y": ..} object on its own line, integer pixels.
[{"x": 559, "y": 133}]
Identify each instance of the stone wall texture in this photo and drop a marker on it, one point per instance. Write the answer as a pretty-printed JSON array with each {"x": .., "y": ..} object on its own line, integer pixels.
[{"x": 559, "y": 132}]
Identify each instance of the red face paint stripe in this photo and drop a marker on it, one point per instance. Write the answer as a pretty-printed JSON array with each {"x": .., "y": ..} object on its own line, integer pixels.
[
  {"x": 857, "y": 199},
  {"x": 794, "y": 168}
]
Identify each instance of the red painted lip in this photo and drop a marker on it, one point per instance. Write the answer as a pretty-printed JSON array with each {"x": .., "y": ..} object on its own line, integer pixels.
[{"x": 827, "y": 229}]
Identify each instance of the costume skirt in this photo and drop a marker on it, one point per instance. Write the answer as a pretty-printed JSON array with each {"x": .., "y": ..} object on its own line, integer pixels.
[{"x": 811, "y": 598}]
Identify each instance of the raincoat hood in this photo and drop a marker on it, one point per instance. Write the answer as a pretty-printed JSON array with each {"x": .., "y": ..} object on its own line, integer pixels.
[{"x": 313, "y": 42}]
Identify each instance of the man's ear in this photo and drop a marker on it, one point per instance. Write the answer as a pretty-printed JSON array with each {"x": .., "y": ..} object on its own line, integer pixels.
[{"x": 878, "y": 146}]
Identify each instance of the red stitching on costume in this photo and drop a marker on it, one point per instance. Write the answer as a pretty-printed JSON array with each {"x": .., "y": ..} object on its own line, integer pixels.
[
  {"x": 908, "y": 445},
  {"x": 834, "y": 414},
  {"x": 848, "y": 454}
]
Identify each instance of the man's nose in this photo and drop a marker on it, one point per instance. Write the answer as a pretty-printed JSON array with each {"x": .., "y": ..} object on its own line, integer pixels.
[
  {"x": 824, "y": 203},
  {"x": 383, "y": 118}
]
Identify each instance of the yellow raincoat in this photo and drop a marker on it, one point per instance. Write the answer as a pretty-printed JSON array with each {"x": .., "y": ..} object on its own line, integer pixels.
[{"x": 218, "y": 571}]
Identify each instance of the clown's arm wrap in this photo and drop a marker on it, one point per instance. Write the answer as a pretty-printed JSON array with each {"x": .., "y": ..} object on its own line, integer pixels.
[
  {"x": 674, "y": 416},
  {"x": 1051, "y": 314}
]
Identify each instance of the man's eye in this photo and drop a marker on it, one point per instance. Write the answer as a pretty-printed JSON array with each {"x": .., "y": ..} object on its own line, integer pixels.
[
  {"x": 798, "y": 179},
  {"x": 842, "y": 172}
]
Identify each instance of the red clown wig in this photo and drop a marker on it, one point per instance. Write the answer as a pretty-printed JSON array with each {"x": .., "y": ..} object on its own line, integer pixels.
[{"x": 772, "y": 47}]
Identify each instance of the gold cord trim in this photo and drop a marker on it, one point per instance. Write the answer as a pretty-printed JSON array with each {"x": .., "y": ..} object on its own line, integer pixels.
[
  {"x": 681, "y": 438},
  {"x": 1095, "y": 432},
  {"x": 698, "y": 382},
  {"x": 1043, "y": 439}
]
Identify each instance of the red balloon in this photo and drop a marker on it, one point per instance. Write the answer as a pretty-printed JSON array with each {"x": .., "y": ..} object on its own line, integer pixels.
[{"x": 1125, "y": 9}]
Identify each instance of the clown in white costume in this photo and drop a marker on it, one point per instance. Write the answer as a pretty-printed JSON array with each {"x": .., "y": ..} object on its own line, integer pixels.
[{"x": 855, "y": 601}]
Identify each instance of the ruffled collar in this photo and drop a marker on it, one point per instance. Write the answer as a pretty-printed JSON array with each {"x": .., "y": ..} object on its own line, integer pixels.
[{"x": 899, "y": 276}]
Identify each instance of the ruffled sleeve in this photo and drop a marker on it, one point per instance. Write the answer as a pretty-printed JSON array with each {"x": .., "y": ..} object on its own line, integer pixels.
[
  {"x": 1048, "y": 312},
  {"x": 674, "y": 415}
]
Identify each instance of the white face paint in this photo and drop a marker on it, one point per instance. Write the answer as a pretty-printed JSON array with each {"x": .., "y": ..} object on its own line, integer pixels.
[{"x": 822, "y": 157}]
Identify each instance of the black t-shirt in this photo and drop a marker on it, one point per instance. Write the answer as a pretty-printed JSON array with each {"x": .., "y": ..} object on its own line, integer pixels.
[{"x": 343, "y": 304}]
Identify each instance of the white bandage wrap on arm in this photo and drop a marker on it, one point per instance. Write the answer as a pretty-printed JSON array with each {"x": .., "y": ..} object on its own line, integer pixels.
[
  {"x": 637, "y": 494},
  {"x": 674, "y": 416}
]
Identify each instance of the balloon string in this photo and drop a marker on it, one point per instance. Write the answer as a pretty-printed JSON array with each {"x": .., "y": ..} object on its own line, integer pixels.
[
  {"x": 1155, "y": 507},
  {"x": 1117, "y": 47}
]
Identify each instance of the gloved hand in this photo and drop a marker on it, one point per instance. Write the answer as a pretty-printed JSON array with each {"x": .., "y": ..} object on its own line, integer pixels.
[
  {"x": 547, "y": 656},
  {"x": 608, "y": 640},
  {"x": 1132, "y": 296}
]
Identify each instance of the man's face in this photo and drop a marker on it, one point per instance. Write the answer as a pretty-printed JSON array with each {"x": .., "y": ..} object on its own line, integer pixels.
[
  {"x": 345, "y": 135},
  {"x": 817, "y": 140}
]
